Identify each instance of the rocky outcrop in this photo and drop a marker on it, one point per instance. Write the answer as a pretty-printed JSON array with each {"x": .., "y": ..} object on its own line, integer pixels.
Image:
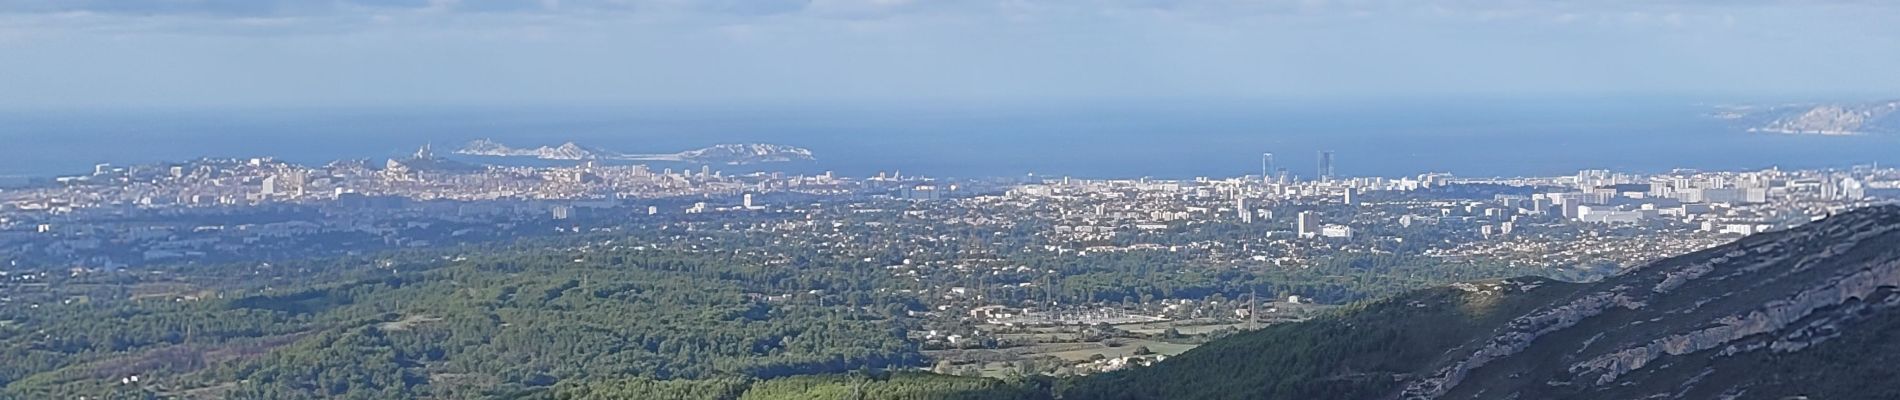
[
  {"x": 1772, "y": 317},
  {"x": 1781, "y": 292},
  {"x": 1516, "y": 336},
  {"x": 566, "y": 151},
  {"x": 1807, "y": 312},
  {"x": 747, "y": 153},
  {"x": 1837, "y": 120}
]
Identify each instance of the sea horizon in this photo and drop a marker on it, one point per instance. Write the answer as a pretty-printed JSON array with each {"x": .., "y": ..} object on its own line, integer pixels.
[{"x": 1185, "y": 139}]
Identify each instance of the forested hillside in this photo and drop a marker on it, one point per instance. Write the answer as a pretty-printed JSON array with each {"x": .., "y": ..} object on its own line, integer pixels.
[{"x": 676, "y": 312}]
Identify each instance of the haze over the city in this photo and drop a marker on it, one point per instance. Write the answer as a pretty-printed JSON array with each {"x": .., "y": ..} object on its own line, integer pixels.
[
  {"x": 949, "y": 199},
  {"x": 163, "y": 53}
]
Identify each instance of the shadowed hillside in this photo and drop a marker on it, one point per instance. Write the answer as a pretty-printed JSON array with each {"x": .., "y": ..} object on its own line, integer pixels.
[{"x": 1803, "y": 312}]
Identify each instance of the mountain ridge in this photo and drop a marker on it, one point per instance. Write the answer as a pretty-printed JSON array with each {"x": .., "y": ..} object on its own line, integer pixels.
[{"x": 1728, "y": 322}]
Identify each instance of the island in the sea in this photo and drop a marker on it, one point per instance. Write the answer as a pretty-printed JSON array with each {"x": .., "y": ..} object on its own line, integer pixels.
[
  {"x": 1839, "y": 119},
  {"x": 732, "y": 154}
]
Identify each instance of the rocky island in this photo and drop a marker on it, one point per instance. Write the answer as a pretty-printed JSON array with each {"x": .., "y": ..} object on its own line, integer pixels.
[{"x": 1833, "y": 119}]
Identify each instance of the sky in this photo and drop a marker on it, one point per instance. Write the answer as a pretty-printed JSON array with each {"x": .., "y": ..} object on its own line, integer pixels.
[{"x": 321, "y": 53}]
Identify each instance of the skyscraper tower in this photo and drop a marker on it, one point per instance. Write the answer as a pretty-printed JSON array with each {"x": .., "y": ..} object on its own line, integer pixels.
[
  {"x": 1266, "y": 167},
  {"x": 1326, "y": 165}
]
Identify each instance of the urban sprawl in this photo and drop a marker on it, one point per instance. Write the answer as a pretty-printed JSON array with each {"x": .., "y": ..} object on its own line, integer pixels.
[{"x": 972, "y": 240}]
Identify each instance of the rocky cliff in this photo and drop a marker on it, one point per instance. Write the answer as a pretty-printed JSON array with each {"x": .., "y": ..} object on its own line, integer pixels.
[
  {"x": 1803, "y": 312},
  {"x": 1693, "y": 326}
]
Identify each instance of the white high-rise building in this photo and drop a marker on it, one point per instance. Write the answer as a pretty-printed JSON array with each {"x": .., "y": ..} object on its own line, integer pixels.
[
  {"x": 1325, "y": 173},
  {"x": 1266, "y": 169},
  {"x": 1246, "y": 214},
  {"x": 292, "y": 182},
  {"x": 1308, "y": 224},
  {"x": 1851, "y": 189}
]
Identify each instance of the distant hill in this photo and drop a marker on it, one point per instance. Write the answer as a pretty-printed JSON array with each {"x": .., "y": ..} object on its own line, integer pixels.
[
  {"x": 1804, "y": 312},
  {"x": 566, "y": 151},
  {"x": 741, "y": 153},
  {"x": 1825, "y": 119},
  {"x": 425, "y": 160},
  {"x": 746, "y": 153}
]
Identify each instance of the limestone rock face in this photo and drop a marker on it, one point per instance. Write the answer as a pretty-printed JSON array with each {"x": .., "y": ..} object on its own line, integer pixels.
[
  {"x": 1808, "y": 312},
  {"x": 1698, "y": 316}
]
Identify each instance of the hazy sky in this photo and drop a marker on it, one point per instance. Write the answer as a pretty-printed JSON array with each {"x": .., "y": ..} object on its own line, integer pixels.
[{"x": 84, "y": 53}]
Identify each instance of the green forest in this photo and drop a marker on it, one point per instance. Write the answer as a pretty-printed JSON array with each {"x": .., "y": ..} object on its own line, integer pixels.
[{"x": 579, "y": 317}]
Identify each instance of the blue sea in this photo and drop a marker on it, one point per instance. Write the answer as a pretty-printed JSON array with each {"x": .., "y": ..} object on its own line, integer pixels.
[{"x": 1162, "y": 139}]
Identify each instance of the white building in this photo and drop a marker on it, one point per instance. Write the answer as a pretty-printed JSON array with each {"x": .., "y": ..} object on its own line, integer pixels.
[
  {"x": 1308, "y": 224},
  {"x": 1606, "y": 214},
  {"x": 1336, "y": 231},
  {"x": 1240, "y": 207}
]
